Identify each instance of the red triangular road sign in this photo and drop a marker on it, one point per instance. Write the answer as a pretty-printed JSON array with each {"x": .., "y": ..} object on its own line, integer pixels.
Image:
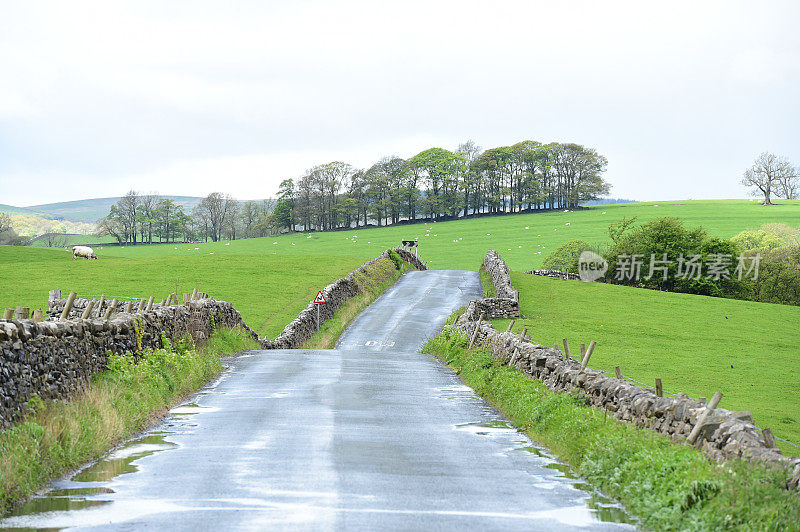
[{"x": 320, "y": 298}]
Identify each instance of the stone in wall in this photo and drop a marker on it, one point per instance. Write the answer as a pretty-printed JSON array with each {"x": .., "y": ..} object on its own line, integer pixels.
[{"x": 555, "y": 274}]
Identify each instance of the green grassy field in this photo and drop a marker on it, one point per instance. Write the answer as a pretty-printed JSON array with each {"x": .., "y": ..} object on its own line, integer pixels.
[
  {"x": 73, "y": 240},
  {"x": 695, "y": 344},
  {"x": 269, "y": 290},
  {"x": 523, "y": 240}
]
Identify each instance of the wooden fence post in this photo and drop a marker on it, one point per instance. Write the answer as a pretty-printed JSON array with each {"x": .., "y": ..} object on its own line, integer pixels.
[
  {"x": 149, "y": 304},
  {"x": 524, "y": 332},
  {"x": 194, "y": 294},
  {"x": 111, "y": 308},
  {"x": 141, "y": 305},
  {"x": 87, "y": 312},
  {"x": 583, "y": 351},
  {"x": 129, "y": 307},
  {"x": 68, "y": 305},
  {"x": 185, "y": 298},
  {"x": 711, "y": 406},
  {"x": 510, "y": 325},
  {"x": 8, "y": 314},
  {"x": 769, "y": 439},
  {"x": 659, "y": 389},
  {"x": 566, "y": 349},
  {"x": 618, "y": 372},
  {"x": 22, "y": 313},
  {"x": 588, "y": 355},
  {"x": 514, "y": 356},
  {"x": 38, "y": 315},
  {"x": 477, "y": 328},
  {"x": 100, "y": 305}
]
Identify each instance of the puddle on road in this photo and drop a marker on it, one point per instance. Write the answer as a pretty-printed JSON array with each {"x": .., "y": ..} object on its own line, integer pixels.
[
  {"x": 488, "y": 428},
  {"x": 604, "y": 508},
  {"x": 89, "y": 488}
]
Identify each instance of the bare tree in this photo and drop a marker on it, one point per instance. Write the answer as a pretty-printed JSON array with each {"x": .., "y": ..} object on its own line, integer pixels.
[
  {"x": 55, "y": 240},
  {"x": 789, "y": 185},
  {"x": 767, "y": 174}
]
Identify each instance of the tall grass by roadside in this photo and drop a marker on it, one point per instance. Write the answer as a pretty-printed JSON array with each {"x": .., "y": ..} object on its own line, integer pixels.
[
  {"x": 55, "y": 437},
  {"x": 667, "y": 486},
  {"x": 489, "y": 290},
  {"x": 371, "y": 284}
]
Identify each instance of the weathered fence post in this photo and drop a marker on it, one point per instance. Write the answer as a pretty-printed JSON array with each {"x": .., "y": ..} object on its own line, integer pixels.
[
  {"x": 100, "y": 305},
  {"x": 583, "y": 351},
  {"x": 8, "y": 313},
  {"x": 22, "y": 313},
  {"x": 524, "y": 332},
  {"x": 129, "y": 307},
  {"x": 477, "y": 328},
  {"x": 141, "y": 305},
  {"x": 618, "y": 372},
  {"x": 111, "y": 308},
  {"x": 38, "y": 315},
  {"x": 588, "y": 355},
  {"x": 697, "y": 426},
  {"x": 194, "y": 294},
  {"x": 185, "y": 298},
  {"x": 510, "y": 325},
  {"x": 68, "y": 305},
  {"x": 659, "y": 389},
  {"x": 149, "y": 304},
  {"x": 514, "y": 356},
  {"x": 566, "y": 349},
  {"x": 87, "y": 312}
]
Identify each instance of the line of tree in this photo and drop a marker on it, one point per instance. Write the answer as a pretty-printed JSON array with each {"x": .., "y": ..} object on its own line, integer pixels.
[
  {"x": 148, "y": 218},
  {"x": 438, "y": 184}
]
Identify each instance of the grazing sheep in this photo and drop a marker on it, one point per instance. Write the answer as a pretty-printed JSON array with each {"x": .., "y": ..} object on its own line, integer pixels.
[{"x": 83, "y": 251}]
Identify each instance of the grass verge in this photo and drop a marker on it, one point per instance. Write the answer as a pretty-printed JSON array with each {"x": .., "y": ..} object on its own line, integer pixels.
[
  {"x": 55, "y": 437},
  {"x": 489, "y": 290},
  {"x": 667, "y": 486},
  {"x": 380, "y": 276}
]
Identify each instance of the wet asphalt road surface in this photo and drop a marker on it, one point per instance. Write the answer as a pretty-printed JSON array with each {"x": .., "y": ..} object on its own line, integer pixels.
[{"x": 369, "y": 436}]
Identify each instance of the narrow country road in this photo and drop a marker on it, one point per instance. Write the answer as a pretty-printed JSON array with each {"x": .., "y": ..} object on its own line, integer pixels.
[{"x": 369, "y": 436}]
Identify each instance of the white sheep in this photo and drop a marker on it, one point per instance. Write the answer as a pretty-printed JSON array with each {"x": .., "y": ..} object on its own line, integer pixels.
[{"x": 83, "y": 251}]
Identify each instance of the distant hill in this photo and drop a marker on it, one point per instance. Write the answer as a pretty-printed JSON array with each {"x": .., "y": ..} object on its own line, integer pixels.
[
  {"x": 10, "y": 209},
  {"x": 91, "y": 210}
]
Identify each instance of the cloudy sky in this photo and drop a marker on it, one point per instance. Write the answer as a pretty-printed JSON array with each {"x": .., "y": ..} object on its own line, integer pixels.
[{"x": 187, "y": 98}]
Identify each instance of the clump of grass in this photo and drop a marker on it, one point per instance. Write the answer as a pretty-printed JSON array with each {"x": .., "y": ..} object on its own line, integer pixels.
[
  {"x": 373, "y": 282},
  {"x": 55, "y": 437},
  {"x": 667, "y": 486},
  {"x": 489, "y": 289}
]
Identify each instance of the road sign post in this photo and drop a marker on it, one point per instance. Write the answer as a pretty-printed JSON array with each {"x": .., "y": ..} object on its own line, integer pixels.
[{"x": 319, "y": 300}]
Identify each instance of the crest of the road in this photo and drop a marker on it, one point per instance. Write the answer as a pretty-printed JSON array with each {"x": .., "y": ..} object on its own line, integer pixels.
[{"x": 371, "y": 435}]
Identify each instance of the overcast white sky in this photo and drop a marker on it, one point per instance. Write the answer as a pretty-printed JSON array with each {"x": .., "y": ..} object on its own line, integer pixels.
[{"x": 97, "y": 98}]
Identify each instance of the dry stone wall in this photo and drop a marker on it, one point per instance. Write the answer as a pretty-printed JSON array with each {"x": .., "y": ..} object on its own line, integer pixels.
[
  {"x": 556, "y": 274},
  {"x": 506, "y": 303},
  {"x": 723, "y": 434},
  {"x": 50, "y": 359}
]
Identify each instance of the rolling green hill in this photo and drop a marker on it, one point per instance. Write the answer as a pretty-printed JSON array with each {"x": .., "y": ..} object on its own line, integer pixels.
[
  {"x": 91, "y": 210},
  {"x": 10, "y": 209}
]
